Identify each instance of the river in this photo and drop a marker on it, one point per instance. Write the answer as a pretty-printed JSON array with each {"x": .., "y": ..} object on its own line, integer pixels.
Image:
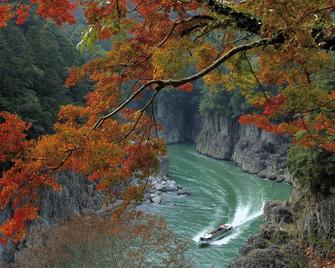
[{"x": 221, "y": 193}]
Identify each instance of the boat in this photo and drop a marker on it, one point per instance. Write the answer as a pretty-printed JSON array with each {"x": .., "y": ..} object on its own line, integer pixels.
[{"x": 216, "y": 234}]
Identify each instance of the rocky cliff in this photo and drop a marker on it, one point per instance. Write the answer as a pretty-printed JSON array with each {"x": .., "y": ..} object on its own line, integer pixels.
[
  {"x": 254, "y": 150},
  {"x": 78, "y": 196},
  {"x": 297, "y": 233},
  {"x": 179, "y": 117}
]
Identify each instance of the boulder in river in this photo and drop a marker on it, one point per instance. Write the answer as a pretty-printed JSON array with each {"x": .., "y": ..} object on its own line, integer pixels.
[
  {"x": 155, "y": 198},
  {"x": 183, "y": 193},
  {"x": 170, "y": 186}
]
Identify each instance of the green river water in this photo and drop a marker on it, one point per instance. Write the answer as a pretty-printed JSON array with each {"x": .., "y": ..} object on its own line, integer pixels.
[{"x": 221, "y": 193}]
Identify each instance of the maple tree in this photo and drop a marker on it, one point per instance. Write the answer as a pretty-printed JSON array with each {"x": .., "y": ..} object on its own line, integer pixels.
[
  {"x": 12, "y": 137},
  {"x": 272, "y": 51}
]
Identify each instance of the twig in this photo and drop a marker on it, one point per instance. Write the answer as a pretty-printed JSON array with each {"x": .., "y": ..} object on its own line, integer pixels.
[
  {"x": 308, "y": 130},
  {"x": 253, "y": 73},
  {"x": 155, "y": 122},
  {"x": 54, "y": 169},
  {"x": 178, "y": 82},
  {"x": 139, "y": 116}
]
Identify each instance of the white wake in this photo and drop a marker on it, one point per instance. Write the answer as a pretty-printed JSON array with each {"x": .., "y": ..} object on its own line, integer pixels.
[
  {"x": 243, "y": 216},
  {"x": 210, "y": 227}
]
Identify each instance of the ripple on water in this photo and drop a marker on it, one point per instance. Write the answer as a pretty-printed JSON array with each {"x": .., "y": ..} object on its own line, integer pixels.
[{"x": 220, "y": 193}]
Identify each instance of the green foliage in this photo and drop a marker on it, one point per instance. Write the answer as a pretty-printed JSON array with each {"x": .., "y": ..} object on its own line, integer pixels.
[
  {"x": 88, "y": 40},
  {"x": 188, "y": 101},
  {"x": 312, "y": 167},
  {"x": 76, "y": 33},
  {"x": 228, "y": 103},
  {"x": 34, "y": 62},
  {"x": 325, "y": 79}
]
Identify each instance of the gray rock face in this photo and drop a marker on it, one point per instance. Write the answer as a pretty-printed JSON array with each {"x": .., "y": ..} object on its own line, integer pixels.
[
  {"x": 307, "y": 219},
  {"x": 77, "y": 196},
  {"x": 319, "y": 221},
  {"x": 254, "y": 150},
  {"x": 262, "y": 258},
  {"x": 278, "y": 213},
  {"x": 173, "y": 121},
  {"x": 179, "y": 123},
  {"x": 164, "y": 167},
  {"x": 217, "y": 137}
]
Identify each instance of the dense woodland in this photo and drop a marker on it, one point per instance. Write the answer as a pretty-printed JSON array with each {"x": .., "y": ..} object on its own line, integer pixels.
[
  {"x": 267, "y": 63},
  {"x": 35, "y": 59}
]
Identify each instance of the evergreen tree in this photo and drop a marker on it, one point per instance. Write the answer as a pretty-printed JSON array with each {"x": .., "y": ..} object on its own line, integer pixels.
[{"x": 34, "y": 62}]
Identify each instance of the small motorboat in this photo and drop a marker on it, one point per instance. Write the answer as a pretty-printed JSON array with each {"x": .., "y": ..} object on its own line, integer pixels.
[{"x": 216, "y": 234}]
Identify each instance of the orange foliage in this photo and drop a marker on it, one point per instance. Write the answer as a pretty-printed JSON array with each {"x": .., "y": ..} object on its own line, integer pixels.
[
  {"x": 12, "y": 137},
  {"x": 15, "y": 227},
  {"x": 188, "y": 87},
  {"x": 311, "y": 123},
  {"x": 317, "y": 261},
  {"x": 22, "y": 13},
  {"x": 154, "y": 39},
  {"x": 6, "y": 14}
]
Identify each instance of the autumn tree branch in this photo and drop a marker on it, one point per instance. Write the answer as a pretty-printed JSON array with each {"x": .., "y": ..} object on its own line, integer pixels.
[
  {"x": 243, "y": 21},
  {"x": 141, "y": 112},
  {"x": 160, "y": 84},
  {"x": 255, "y": 76},
  {"x": 324, "y": 37}
]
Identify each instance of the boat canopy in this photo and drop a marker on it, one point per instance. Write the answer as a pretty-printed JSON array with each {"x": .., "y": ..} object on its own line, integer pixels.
[{"x": 220, "y": 228}]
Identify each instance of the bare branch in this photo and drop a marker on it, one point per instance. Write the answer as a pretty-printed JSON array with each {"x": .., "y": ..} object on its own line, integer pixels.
[
  {"x": 68, "y": 155},
  {"x": 139, "y": 116},
  {"x": 255, "y": 76},
  {"x": 154, "y": 120}
]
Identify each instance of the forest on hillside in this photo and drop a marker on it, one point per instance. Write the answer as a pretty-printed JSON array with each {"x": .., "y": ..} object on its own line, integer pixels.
[{"x": 35, "y": 60}]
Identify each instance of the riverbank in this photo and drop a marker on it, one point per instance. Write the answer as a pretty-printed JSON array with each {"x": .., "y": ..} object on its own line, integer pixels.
[
  {"x": 79, "y": 196},
  {"x": 220, "y": 193},
  {"x": 218, "y": 136},
  {"x": 160, "y": 186},
  {"x": 300, "y": 231}
]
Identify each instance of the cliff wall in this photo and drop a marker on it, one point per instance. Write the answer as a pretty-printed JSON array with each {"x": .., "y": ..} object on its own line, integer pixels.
[
  {"x": 78, "y": 196},
  {"x": 177, "y": 113},
  {"x": 297, "y": 233},
  {"x": 254, "y": 150}
]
